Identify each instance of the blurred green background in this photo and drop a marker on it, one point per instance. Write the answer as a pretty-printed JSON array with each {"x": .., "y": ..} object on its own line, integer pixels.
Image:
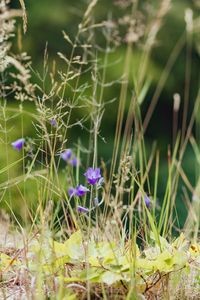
[{"x": 47, "y": 19}]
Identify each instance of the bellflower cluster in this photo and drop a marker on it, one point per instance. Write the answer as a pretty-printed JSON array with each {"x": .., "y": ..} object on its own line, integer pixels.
[{"x": 93, "y": 177}]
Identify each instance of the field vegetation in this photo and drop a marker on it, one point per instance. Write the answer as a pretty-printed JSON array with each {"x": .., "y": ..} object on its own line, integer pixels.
[{"x": 99, "y": 182}]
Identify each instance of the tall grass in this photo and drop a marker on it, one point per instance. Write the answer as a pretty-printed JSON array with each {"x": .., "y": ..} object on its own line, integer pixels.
[{"x": 127, "y": 212}]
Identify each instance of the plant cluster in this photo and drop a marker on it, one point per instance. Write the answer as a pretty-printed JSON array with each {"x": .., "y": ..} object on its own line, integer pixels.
[{"x": 89, "y": 228}]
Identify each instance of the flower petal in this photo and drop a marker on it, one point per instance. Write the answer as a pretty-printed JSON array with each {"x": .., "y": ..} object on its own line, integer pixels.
[{"x": 18, "y": 144}]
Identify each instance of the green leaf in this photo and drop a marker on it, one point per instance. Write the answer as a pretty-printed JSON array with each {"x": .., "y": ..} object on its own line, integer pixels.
[
  {"x": 74, "y": 246},
  {"x": 92, "y": 274},
  {"x": 110, "y": 278}
]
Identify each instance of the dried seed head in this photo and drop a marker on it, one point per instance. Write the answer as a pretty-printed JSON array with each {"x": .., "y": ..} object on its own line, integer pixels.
[{"x": 6, "y": 31}]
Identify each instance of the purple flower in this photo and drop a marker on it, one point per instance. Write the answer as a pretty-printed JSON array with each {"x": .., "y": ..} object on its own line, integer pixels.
[
  {"x": 74, "y": 162},
  {"x": 147, "y": 201},
  {"x": 93, "y": 175},
  {"x": 53, "y": 122},
  {"x": 81, "y": 190},
  {"x": 66, "y": 155},
  {"x": 71, "y": 191},
  {"x": 82, "y": 209},
  {"x": 18, "y": 144}
]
